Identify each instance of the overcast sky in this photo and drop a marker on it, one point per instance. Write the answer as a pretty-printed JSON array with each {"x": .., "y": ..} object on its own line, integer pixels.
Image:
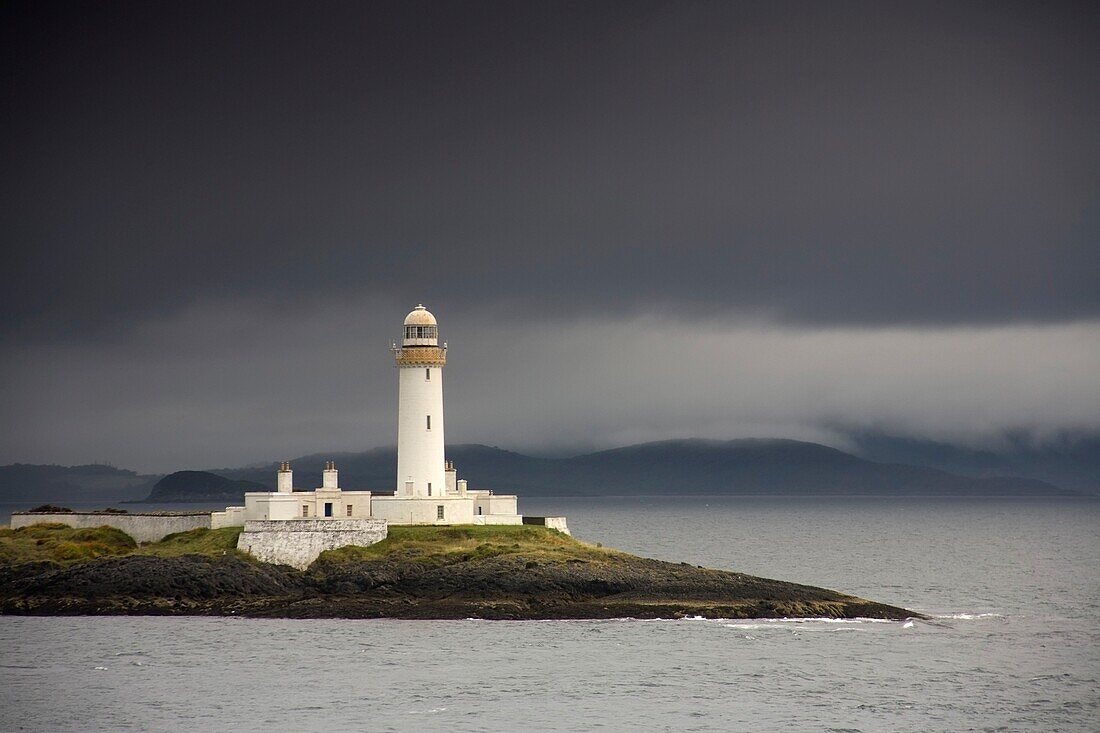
[{"x": 634, "y": 221}]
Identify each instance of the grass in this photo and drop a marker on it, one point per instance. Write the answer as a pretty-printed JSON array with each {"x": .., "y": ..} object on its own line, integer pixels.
[
  {"x": 62, "y": 544},
  {"x": 427, "y": 544},
  {"x": 195, "y": 542},
  {"x": 67, "y": 545},
  {"x": 458, "y": 543}
]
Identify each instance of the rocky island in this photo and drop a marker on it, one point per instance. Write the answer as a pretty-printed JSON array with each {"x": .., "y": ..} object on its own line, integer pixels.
[{"x": 418, "y": 572}]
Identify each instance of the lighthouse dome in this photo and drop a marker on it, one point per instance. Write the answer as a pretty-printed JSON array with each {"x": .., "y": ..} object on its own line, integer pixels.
[
  {"x": 420, "y": 328},
  {"x": 420, "y": 316}
]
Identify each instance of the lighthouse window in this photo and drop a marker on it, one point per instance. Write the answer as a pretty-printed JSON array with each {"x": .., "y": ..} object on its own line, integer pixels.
[
  {"x": 421, "y": 332},
  {"x": 429, "y": 488},
  {"x": 428, "y": 375},
  {"x": 429, "y": 422},
  {"x": 439, "y": 512}
]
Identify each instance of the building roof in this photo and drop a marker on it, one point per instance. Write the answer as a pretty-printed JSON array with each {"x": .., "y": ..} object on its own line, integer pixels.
[{"x": 420, "y": 316}]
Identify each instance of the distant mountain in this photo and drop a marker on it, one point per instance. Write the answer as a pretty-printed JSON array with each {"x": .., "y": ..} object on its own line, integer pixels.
[
  {"x": 1070, "y": 462},
  {"x": 676, "y": 467},
  {"x": 686, "y": 467},
  {"x": 26, "y": 482},
  {"x": 200, "y": 486}
]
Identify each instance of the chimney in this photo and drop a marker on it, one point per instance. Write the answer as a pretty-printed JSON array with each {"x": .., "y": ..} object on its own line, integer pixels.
[{"x": 285, "y": 479}]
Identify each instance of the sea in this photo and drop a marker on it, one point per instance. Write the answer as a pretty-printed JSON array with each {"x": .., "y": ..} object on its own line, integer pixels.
[{"x": 1012, "y": 588}]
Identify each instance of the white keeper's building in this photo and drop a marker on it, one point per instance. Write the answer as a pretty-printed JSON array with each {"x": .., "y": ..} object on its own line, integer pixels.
[{"x": 428, "y": 490}]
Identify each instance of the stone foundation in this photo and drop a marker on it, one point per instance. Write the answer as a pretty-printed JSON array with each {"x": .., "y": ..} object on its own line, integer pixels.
[{"x": 298, "y": 542}]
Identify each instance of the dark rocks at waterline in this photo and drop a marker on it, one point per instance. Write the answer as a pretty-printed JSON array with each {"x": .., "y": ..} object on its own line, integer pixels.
[{"x": 512, "y": 587}]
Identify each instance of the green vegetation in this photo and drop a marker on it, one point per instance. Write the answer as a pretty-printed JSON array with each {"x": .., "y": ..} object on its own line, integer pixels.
[
  {"x": 62, "y": 544},
  {"x": 195, "y": 542},
  {"x": 446, "y": 545},
  {"x": 51, "y": 509},
  {"x": 423, "y": 544},
  {"x": 67, "y": 545}
]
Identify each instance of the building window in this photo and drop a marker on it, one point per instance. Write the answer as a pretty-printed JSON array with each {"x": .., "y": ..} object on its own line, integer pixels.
[
  {"x": 328, "y": 508},
  {"x": 421, "y": 332},
  {"x": 428, "y": 374},
  {"x": 305, "y": 510},
  {"x": 429, "y": 422},
  {"x": 439, "y": 512},
  {"x": 349, "y": 510},
  {"x": 479, "y": 511},
  {"x": 429, "y": 488}
]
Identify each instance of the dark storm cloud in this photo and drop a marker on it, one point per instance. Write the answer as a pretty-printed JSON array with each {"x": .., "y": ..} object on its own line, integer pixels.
[
  {"x": 828, "y": 163},
  {"x": 634, "y": 220}
]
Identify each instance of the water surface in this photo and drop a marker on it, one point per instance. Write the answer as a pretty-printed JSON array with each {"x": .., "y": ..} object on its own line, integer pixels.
[{"x": 1014, "y": 587}]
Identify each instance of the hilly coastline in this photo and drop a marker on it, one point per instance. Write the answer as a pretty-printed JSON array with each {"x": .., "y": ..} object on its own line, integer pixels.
[{"x": 678, "y": 467}]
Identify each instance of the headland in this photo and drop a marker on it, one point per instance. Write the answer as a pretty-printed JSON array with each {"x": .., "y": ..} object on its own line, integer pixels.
[{"x": 418, "y": 572}]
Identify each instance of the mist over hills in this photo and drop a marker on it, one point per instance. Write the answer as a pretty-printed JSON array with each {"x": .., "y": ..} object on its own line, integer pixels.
[
  {"x": 675, "y": 467},
  {"x": 1072, "y": 462},
  {"x": 29, "y": 482}
]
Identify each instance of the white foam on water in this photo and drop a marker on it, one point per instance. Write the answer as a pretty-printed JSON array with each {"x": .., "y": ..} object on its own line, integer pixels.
[
  {"x": 969, "y": 616},
  {"x": 837, "y": 624}
]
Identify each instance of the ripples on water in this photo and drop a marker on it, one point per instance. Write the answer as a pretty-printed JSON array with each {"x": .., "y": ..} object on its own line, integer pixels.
[{"x": 1013, "y": 587}]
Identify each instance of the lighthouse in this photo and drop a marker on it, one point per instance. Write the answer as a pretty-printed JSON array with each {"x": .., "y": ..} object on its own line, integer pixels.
[
  {"x": 421, "y": 471},
  {"x": 428, "y": 488}
]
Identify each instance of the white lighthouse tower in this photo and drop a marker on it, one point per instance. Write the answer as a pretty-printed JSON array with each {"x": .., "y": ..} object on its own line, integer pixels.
[
  {"x": 421, "y": 471},
  {"x": 428, "y": 488}
]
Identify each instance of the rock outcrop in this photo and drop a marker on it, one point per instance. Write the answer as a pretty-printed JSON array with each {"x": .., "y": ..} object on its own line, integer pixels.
[{"x": 420, "y": 573}]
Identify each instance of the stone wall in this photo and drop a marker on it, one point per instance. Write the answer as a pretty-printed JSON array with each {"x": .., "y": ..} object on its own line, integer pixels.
[
  {"x": 233, "y": 516},
  {"x": 142, "y": 527},
  {"x": 298, "y": 542},
  {"x": 557, "y": 523}
]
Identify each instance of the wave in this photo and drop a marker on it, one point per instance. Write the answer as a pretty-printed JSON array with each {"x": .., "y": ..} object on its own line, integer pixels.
[{"x": 771, "y": 623}]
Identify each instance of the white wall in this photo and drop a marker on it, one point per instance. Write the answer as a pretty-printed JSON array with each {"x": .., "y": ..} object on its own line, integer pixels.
[
  {"x": 402, "y": 510},
  {"x": 557, "y": 523},
  {"x": 142, "y": 527},
  {"x": 267, "y": 505},
  {"x": 298, "y": 542},
  {"x": 233, "y": 516},
  {"x": 498, "y": 519},
  {"x": 501, "y": 504},
  {"x": 275, "y": 506},
  {"x": 420, "y": 449}
]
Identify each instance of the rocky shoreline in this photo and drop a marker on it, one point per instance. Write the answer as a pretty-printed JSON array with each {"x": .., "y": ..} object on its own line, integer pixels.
[{"x": 541, "y": 576}]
